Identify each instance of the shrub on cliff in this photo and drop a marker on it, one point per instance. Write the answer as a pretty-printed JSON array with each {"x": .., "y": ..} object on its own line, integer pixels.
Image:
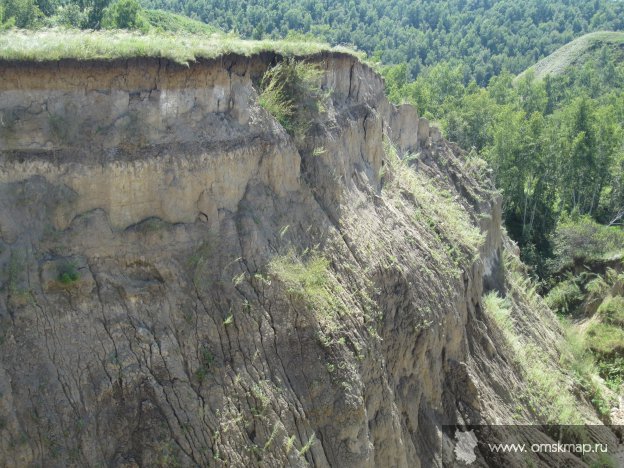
[
  {"x": 68, "y": 274},
  {"x": 291, "y": 92}
]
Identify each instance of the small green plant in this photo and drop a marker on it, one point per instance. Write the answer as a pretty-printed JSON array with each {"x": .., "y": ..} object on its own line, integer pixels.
[
  {"x": 605, "y": 339},
  {"x": 238, "y": 279},
  {"x": 499, "y": 309},
  {"x": 206, "y": 360},
  {"x": 271, "y": 437},
  {"x": 261, "y": 394},
  {"x": 306, "y": 448},
  {"x": 274, "y": 100},
  {"x": 59, "y": 128},
  {"x": 434, "y": 206},
  {"x": 289, "y": 444},
  {"x": 597, "y": 287},
  {"x": 612, "y": 370},
  {"x": 199, "y": 265},
  {"x": 319, "y": 151},
  {"x": 308, "y": 279},
  {"x": 68, "y": 273}
]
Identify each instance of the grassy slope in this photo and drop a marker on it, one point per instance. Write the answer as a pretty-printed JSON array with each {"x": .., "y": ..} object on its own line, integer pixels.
[
  {"x": 56, "y": 44},
  {"x": 171, "y": 22},
  {"x": 575, "y": 52}
]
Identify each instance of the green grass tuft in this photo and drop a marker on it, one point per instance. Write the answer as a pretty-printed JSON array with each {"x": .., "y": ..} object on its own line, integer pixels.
[
  {"x": 68, "y": 274},
  {"x": 309, "y": 280},
  {"x": 499, "y": 309},
  {"x": 436, "y": 207}
]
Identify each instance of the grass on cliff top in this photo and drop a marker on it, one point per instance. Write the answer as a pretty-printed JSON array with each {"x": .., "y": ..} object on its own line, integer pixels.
[{"x": 55, "y": 44}]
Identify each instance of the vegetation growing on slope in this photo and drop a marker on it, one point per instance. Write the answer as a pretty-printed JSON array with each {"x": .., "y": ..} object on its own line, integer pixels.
[
  {"x": 68, "y": 274},
  {"x": 436, "y": 208},
  {"x": 550, "y": 393},
  {"x": 587, "y": 287},
  {"x": 306, "y": 279},
  {"x": 581, "y": 240},
  {"x": 309, "y": 281},
  {"x": 544, "y": 391},
  {"x": 556, "y": 148},
  {"x": 291, "y": 92}
]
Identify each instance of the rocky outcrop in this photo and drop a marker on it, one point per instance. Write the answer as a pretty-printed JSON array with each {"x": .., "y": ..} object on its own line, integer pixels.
[{"x": 185, "y": 284}]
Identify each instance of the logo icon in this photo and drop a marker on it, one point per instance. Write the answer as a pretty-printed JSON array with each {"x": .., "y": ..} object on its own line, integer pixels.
[{"x": 464, "y": 449}]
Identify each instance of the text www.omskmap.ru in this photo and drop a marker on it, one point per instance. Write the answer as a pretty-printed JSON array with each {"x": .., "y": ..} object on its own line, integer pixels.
[{"x": 549, "y": 448}]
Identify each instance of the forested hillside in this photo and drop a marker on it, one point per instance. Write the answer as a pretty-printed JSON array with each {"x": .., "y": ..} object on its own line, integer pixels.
[
  {"x": 487, "y": 35},
  {"x": 555, "y": 145}
]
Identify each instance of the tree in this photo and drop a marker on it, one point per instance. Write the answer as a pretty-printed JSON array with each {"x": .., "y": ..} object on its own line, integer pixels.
[
  {"x": 124, "y": 14},
  {"x": 21, "y": 13},
  {"x": 96, "y": 12}
]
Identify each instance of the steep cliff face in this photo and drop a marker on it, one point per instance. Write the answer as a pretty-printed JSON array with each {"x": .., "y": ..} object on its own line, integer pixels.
[{"x": 184, "y": 283}]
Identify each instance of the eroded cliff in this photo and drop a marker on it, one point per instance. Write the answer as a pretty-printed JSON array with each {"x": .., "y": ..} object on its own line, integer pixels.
[{"x": 185, "y": 283}]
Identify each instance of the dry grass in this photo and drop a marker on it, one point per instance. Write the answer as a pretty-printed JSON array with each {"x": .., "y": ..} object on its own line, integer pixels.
[{"x": 55, "y": 44}]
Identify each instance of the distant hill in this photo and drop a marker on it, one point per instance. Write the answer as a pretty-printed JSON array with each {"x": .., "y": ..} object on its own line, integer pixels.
[{"x": 577, "y": 52}]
